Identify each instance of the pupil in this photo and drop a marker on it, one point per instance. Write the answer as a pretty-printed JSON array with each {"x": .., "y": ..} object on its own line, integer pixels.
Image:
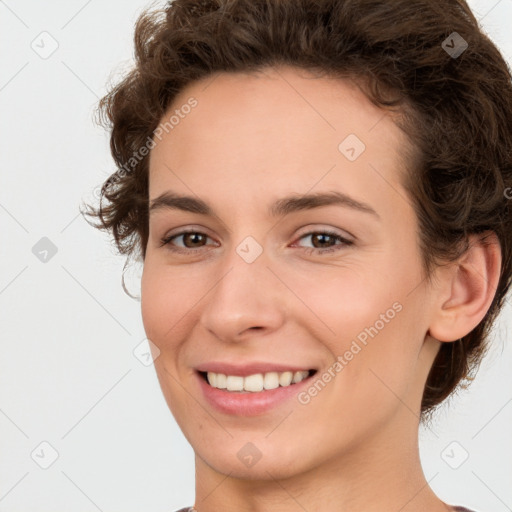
[
  {"x": 323, "y": 236},
  {"x": 194, "y": 235}
]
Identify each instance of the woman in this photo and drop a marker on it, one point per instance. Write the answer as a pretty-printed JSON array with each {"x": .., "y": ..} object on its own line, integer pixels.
[{"x": 320, "y": 195}]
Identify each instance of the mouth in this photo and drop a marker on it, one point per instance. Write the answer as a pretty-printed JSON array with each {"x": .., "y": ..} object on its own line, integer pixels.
[
  {"x": 253, "y": 394},
  {"x": 256, "y": 383}
]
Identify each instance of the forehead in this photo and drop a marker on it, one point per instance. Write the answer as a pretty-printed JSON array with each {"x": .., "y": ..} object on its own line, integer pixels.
[{"x": 281, "y": 126}]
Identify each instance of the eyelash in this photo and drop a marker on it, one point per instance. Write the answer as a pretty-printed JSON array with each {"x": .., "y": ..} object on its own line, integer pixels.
[{"x": 307, "y": 250}]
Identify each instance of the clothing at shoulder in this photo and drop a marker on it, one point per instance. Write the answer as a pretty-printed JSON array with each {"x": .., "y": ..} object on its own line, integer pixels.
[{"x": 458, "y": 509}]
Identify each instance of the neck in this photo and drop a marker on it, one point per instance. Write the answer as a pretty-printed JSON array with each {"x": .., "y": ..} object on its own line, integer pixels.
[{"x": 381, "y": 474}]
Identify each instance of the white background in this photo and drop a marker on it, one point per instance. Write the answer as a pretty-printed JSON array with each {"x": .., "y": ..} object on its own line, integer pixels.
[{"x": 68, "y": 375}]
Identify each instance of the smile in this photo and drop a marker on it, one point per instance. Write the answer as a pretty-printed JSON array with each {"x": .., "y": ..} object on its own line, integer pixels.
[
  {"x": 242, "y": 402},
  {"x": 257, "y": 382}
]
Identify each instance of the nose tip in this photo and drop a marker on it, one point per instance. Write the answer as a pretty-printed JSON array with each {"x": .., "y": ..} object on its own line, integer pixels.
[{"x": 245, "y": 300}]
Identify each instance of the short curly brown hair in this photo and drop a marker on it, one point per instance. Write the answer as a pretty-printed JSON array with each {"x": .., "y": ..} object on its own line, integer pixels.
[{"x": 405, "y": 54}]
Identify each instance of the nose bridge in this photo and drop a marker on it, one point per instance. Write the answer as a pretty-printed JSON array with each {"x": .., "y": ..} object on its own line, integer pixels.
[{"x": 245, "y": 296}]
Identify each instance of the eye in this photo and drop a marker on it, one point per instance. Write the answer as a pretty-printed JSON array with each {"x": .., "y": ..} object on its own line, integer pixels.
[
  {"x": 327, "y": 240},
  {"x": 194, "y": 238}
]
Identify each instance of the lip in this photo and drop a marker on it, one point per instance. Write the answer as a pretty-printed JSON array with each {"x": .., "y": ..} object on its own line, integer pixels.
[
  {"x": 249, "y": 403},
  {"x": 243, "y": 370}
]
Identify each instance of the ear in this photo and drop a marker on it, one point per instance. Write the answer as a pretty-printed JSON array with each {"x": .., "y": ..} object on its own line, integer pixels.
[{"x": 466, "y": 288}]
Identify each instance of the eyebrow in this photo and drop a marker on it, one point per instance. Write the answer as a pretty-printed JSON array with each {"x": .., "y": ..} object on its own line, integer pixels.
[{"x": 281, "y": 207}]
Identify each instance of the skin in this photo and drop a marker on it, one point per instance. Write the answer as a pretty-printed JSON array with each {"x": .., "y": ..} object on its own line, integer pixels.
[{"x": 252, "y": 139}]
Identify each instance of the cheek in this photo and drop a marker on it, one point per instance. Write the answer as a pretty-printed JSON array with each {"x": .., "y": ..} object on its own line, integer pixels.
[
  {"x": 164, "y": 300},
  {"x": 164, "y": 306},
  {"x": 343, "y": 300},
  {"x": 171, "y": 302},
  {"x": 368, "y": 317},
  {"x": 151, "y": 302}
]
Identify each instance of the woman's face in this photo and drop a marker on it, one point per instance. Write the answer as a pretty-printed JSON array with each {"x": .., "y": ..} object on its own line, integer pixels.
[{"x": 262, "y": 282}]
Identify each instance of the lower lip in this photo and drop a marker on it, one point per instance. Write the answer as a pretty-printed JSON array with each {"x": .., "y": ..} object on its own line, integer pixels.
[{"x": 249, "y": 403}]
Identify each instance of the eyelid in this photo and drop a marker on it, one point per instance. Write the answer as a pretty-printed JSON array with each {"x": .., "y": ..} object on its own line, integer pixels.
[
  {"x": 308, "y": 230},
  {"x": 316, "y": 228},
  {"x": 166, "y": 239},
  {"x": 344, "y": 241},
  {"x": 188, "y": 228}
]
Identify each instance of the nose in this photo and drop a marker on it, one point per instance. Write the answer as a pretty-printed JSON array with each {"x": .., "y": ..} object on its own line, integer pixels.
[{"x": 248, "y": 297}]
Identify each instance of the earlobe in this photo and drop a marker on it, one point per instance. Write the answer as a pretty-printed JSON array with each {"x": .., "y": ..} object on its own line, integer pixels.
[{"x": 467, "y": 289}]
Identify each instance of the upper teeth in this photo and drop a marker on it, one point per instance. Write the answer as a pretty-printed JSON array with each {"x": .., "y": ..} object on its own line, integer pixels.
[{"x": 256, "y": 382}]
